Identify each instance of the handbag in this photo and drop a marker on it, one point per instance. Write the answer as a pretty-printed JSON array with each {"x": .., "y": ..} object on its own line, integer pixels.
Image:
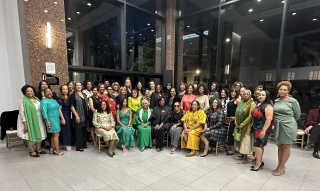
[{"x": 237, "y": 135}]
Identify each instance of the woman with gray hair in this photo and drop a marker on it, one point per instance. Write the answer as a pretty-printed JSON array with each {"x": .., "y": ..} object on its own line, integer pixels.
[{"x": 144, "y": 125}]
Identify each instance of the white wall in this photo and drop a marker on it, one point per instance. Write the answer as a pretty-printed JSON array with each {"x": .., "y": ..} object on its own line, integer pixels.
[{"x": 12, "y": 75}]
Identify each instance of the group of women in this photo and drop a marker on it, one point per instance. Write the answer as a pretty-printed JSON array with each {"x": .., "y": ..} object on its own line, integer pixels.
[{"x": 188, "y": 116}]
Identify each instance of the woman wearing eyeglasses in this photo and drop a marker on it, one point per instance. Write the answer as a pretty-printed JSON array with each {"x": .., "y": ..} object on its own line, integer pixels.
[{"x": 176, "y": 126}]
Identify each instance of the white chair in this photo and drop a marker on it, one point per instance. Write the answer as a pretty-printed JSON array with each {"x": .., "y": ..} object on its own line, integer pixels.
[{"x": 300, "y": 137}]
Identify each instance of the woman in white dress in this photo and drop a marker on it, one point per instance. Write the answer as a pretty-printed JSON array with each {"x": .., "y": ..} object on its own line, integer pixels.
[
  {"x": 30, "y": 123},
  {"x": 104, "y": 122}
]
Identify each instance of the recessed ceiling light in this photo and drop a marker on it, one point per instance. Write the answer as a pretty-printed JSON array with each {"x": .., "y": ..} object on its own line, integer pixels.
[
  {"x": 152, "y": 30},
  {"x": 69, "y": 41},
  {"x": 148, "y": 24},
  {"x": 45, "y": 11},
  {"x": 132, "y": 37},
  {"x": 261, "y": 20},
  {"x": 140, "y": 34},
  {"x": 314, "y": 19},
  {"x": 294, "y": 13},
  {"x": 156, "y": 12},
  {"x": 62, "y": 20},
  {"x": 258, "y": 0},
  {"x": 250, "y": 10},
  {"x": 89, "y": 4},
  {"x": 188, "y": 26},
  {"x": 190, "y": 42},
  {"x": 55, "y": 2},
  {"x": 25, "y": 0},
  {"x": 228, "y": 40},
  {"x": 282, "y": 1},
  {"x": 78, "y": 12},
  {"x": 69, "y": 19}
]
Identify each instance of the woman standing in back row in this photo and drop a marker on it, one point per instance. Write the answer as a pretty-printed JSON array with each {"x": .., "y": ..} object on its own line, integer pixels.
[{"x": 287, "y": 112}]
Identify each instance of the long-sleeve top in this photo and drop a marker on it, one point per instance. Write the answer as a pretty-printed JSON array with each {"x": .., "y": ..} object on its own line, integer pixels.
[
  {"x": 160, "y": 115},
  {"x": 216, "y": 120},
  {"x": 204, "y": 102},
  {"x": 176, "y": 117},
  {"x": 103, "y": 118}
]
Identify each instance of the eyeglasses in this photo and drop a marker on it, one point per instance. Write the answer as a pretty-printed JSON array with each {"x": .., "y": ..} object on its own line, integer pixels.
[{"x": 176, "y": 105}]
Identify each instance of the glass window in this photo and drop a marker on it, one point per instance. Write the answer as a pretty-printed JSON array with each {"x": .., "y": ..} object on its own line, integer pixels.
[
  {"x": 154, "y": 6},
  {"x": 250, "y": 42},
  {"x": 70, "y": 47},
  {"x": 187, "y": 7},
  {"x": 197, "y": 44},
  {"x": 143, "y": 38},
  {"x": 96, "y": 33},
  {"x": 301, "y": 52}
]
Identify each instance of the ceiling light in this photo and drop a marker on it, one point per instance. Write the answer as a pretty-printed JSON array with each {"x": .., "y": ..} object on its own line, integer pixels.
[
  {"x": 140, "y": 34},
  {"x": 25, "y": 0},
  {"x": 188, "y": 26},
  {"x": 132, "y": 37},
  {"x": 314, "y": 19},
  {"x": 156, "y": 12},
  {"x": 69, "y": 41},
  {"x": 250, "y": 10},
  {"x": 148, "y": 24},
  {"x": 294, "y": 13},
  {"x": 69, "y": 19},
  {"x": 45, "y": 11},
  {"x": 258, "y": 0},
  {"x": 78, "y": 12},
  {"x": 190, "y": 42},
  {"x": 282, "y": 1},
  {"x": 55, "y": 2},
  {"x": 152, "y": 30},
  {"x": 228, "y": 40},
  {"x": 62, "y": 20},
  {"x": 261, "y": 20},
  {"x": 89, "y": 4}
]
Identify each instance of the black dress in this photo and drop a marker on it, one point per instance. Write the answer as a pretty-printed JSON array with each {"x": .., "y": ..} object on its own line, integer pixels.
[
  {"x": 95, "y": 102},
  {"x": 66, "y": 136},
  {"x": 231, "y": 112}
]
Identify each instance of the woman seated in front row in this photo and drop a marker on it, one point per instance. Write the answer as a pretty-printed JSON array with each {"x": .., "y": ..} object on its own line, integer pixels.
[
  {"x": 160, "y": 122},
  {"x": 144, "y": 125},
  {"x": 176, "y": 125},
  {"x": 214, "y": 129},
  {"x": 193, "y": 122},
  {"x": 104, "y": 122}
]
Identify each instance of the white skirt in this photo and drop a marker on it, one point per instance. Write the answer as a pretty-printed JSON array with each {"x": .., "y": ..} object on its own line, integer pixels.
[{"x": 245, "y": 145}]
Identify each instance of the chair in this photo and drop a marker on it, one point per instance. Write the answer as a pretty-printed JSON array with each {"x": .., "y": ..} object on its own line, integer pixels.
[
  {"x": 166, "y": 138},
  {"x": 98, "y": 142},
  {"x": 300, "y": 137},
  {"x": 9, "y": 127}
]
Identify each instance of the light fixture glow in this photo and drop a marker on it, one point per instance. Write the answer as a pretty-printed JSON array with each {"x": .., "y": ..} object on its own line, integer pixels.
[
  {"x": 78, "y": 12},
  {"x": 89, "y": 4},
  {"x": 282, "y": 1},
  {"x": 198, "y": 71},
  {"x": 261, "y": 20},
  {"x": 48, "y": 35},
  {"x": 250, "y": 10},
  {"x": 294, "y": 13},
  {"x": 228, "y": 40},
  {"x": 152, "y": 30},
  {"x": 45, "y": 11},
  {"x": 69, "y": 19},
  {"x": 148, "y": 24},
  {"x": 314, "y": 19},
  {"x": 55, "y": 2},
  {"x": 188, "y": 26},
  {"x": 258, "y": 0}
]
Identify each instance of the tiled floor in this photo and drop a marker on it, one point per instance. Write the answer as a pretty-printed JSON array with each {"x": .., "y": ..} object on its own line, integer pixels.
[{"x": 150, "y": 170}]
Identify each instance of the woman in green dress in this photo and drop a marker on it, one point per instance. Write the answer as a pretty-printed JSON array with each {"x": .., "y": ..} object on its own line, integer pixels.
[
  {"x": 144, "y": 125},
  {"x": 287, "y": 112},
  {"x": 243, "y": 122},
  {"x": 125, "y": 131}
]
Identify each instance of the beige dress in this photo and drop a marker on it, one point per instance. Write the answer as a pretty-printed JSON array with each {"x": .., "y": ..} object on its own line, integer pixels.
[{"x": 105, "y": 119}]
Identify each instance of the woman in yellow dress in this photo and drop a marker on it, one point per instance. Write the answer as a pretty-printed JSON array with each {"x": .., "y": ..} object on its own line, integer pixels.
[
  {"x": 193, "y": 122},
  {"x": 134, "y": 103}
]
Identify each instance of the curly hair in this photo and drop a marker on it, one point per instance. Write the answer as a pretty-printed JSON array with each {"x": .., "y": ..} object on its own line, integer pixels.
[
  {"x": 99, "y": 109},
  {"x": 25, "y": 87},
  {"x": 205, "y": 89},
  {"x": 284, "y": 83}
]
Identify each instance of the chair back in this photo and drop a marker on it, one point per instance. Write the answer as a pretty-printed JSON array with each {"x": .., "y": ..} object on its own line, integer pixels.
[{"x": 8, "y": 121}]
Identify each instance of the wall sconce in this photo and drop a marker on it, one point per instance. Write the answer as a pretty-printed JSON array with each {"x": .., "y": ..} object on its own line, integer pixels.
[{"x": 48, "y": 35}]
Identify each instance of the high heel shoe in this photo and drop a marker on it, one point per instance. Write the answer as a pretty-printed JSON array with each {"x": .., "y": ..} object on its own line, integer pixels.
[
  {"x": 51, "y": 150},
  {"x": 40, "y": 152},
  {"x": 260, "y": 167},
  {"x": 56, "y": 153},
  {"x": 261, "y": 164},
  {"x": 110, "y": 155}
]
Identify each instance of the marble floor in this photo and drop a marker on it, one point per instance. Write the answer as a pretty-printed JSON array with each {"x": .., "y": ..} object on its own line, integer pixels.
[{"x": 150, "y": 170}]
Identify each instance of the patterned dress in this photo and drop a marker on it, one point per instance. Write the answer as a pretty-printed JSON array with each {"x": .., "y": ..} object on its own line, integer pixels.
[
  {"x": 259, "y": 118},
  {"x": 215, "y": 123},
  {"x": 50, "y": 110},
  {"x": 105, "y": 119}
]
